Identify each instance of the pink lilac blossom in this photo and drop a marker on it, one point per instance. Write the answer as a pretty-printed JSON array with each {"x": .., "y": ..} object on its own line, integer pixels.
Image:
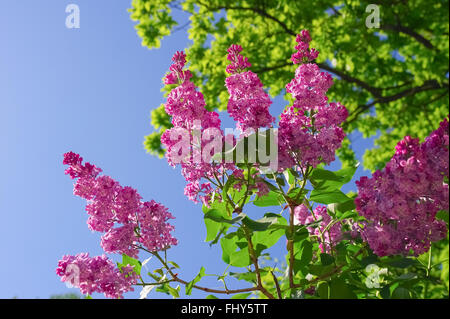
[
  {"x": 238, "y": 62},
  {"x": 184, "y": 103},
  {"x": 249, "y": 103},
  {"x": 154, "y": 231},
  {"x": 96, "y": 274},
  {"x": 327, "y": 236},
  {"x": 194, "y": 129},
  {"x": 400, "y": 202},
  {"x": 309, "y": 130},
  {"x": 176, "y": 74},
  {"x": 110, "y": 204},
  {"x": 261, "y": 188},
  {"x": 120, "y": 239},
  {"x": 197, "y": 191},
  {"x": 304, "y": 54}
]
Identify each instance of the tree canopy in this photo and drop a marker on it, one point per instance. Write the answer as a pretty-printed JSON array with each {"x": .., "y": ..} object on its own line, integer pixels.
[{"x": 393, "y": 79}]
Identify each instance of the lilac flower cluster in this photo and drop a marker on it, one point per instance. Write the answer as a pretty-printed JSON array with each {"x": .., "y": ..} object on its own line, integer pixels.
[
  {"x": 126, "y": 221},
  {"x": 328, "y": 235},
  {"x": 238, "y": 62},
  {"x": 249, "y": 103},
  {"x": 177, "y": 74},
  {"x": 186, "y": 105},
  {"x": 96, "y": 274},
  {"x": 304, "y": 54},
  {"x": 110, "y": 204},
  {"x": 309, "y": 131},
  {"x": 401, "y": 201}
]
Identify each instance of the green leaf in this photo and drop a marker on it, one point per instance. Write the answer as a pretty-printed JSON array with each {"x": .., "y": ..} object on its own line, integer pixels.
[
  {"x": 295, "y": 193},
  {"x": 271, "y": 186},
  {"x": 406, "y": 277},
  {"x": 174, "y": 264},
  {"x": 156, "y": 278},
  {"x": 240, "y": 258},
  {"x": 403, "y": 262},
  {"x": 217, "y": 220},
  {"x": 300, "y": 233},
  {"x": 164, "y": 288},
  {"x": 269, "y": 237},
  {"x": 323, "y": 290},
  {"x": 280, "y": 181},
  {"x": 442, "y": 215},
  {"x": 235, "y": 250},
  {"x": 320, "y": 174},
  {"x": 302, "y": 255},
  {"x": 237, "y": 197},
  {"x": 211, "y": 297},
  {"x": 349, "y": 214},
  {"x": 270, "y": 199},
  {"x": 320, "y": 270},
  {"x": 326, "y": 259},
  {"x": 175, "y": 292},
  {"x": 219, "y": 234},
  {"x": 231, "y": 179},
  {"x": 212, "y": 227},
  {"x": 327, "y": 180},
  {"x": 247, "y": 276},
  {"x": 401, "y": 293},
  {"x": 385, "y": 292},
  {"x": 216, "y": 216},
  {"x": 371, "y": 259},
  {"x": 260, "y": 224},
  {"x": 159, "y": 271},
  {"x": 343, "y": 210},
  {"x": 328, "y": 196},
  {"x": 197, "y": 278},
  {"x": 340, "y": 290},
  {"x": 289, "y": 176}
]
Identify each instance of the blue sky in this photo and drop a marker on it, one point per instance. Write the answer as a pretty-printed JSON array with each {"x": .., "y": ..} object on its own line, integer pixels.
[{"x": 87, "y": 90}]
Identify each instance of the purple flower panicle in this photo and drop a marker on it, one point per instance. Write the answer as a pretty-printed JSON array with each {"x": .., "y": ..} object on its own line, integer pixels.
[
  {"x": 119, "y": 212},
  {"x": 401, "y": 201},
  {"x": 96, "y": 274}
]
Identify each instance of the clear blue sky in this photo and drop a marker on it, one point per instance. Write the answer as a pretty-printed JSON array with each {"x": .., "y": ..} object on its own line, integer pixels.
[{"x": 87, "y": 90}]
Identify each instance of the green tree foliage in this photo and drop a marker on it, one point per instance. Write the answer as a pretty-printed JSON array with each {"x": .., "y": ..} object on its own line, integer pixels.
[{"x": 393, "y": 79}]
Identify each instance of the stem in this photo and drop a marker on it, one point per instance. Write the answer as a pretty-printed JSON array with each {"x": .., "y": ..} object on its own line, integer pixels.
[
  {"x": 184, "y": 282},
  {"x": 247, "y": 189},
  {"x": 211, "y": 181},
  {"x": 220, "y": 185},
  {"x": 290, "y": 243},
  {"x": 425, "y": 292},
  {"x": 277, "y": 285},
  {"x": 290, "y": 247},
  {"x": 254, "y": 260},
  {"x": 329, "y": 274}
]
